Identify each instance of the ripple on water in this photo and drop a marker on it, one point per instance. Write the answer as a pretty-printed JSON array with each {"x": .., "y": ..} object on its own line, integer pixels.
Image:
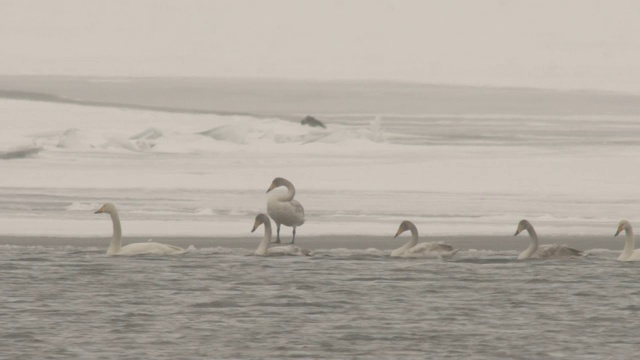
[{"x": 223, "y": 304}]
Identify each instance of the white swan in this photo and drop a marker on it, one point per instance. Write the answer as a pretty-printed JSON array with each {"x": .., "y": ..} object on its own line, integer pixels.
[
  {"x": 264, "y": 249},
  {"x": 427, "y": 249},
  {"x": 116, "y": 247},
  {"x": 534, "y": 251},
  {"x": 283, "y": 209},
  {"x": 629, "y": 253}
]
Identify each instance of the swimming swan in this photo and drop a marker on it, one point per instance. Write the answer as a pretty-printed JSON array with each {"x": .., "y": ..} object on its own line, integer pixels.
[
  {"x": 543, "y": 251},
  {"x": 264, "y": 249},
  {"x": 116, "y": 247},
  {"x": 426, "y": 249},
  {"x": 628, "y": 253},
  {"x": 283, "y": 209}
]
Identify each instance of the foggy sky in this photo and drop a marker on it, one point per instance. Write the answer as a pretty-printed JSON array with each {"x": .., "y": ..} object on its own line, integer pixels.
[{"x": 557, "y": 44}]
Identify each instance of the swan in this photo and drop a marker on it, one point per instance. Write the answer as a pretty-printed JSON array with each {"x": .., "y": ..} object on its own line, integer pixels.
[
  {"x": 116, "y": 247},
  {"x": 543, "y": 251},
  {"x": 628, "y": 253},
  {"x": 427, "y": 249},
  {"x": 283, "y": 209},
  {"x": 264, "y": 249}
]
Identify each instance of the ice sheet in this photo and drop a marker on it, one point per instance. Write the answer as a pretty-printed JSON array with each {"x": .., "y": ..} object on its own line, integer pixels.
[{"x": 182, "y": 174}]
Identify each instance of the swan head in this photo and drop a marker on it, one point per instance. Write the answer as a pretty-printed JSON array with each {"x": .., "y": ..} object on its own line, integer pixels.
[
  {"x": 260, "y": 219},
  {"x": 108, "y": 208},
  {"x": 522, "y": 225},
  {"x": 404, "y": 226},
  {"x": 623, "y": 225},
  {"x": 277, "y": 182}
]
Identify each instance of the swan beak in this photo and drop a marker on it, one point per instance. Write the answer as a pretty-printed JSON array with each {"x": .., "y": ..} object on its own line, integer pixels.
[
  {"x": 517, "y": 232},
  {"x": 618, "y": 232},
  {"x": 400, "y": 231},
  {"x": 99, "y": 211},
  {"x": 255, "y": 226},
  {"x": 273, "y": 186}
]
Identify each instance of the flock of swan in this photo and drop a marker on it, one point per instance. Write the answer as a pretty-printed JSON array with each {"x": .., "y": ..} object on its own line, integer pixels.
[{"x": 284, "y": 210}]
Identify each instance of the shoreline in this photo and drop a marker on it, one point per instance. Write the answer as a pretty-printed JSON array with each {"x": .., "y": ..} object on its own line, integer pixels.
[
  {"x": 330, "y": 242},
  {"x": 227, "y": 96}
]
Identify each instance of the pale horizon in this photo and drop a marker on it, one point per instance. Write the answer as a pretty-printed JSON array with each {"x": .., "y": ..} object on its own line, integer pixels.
[{"x": 584, "y": 45}]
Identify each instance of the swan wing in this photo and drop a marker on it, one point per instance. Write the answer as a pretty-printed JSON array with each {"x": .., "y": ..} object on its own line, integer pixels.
[
  {"x": 150, "y": 248},
  {"x": 556, "y": 251},
  {"x": 428, "y": 249},
  {"x": 288, "y": 213},
  {"x": 292, "y": 250},
  {"x": 297, "y": 208}
]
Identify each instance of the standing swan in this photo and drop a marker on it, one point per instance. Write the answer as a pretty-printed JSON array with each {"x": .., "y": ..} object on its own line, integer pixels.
[
  {"x": 543, "y": 251},
  {"x": 283, "y": 209},
  {"x": 628, "y": 253},
  {"x": 264, "y": 249},
  {"x": 116, "y": 247},
  {"x": 413, "y": 249}
]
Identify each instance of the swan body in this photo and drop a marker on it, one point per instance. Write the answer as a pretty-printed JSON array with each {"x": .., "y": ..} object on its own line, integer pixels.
[
  {"x": 149, "y": 248},
  {"x": 283, "y": 209},
  {"x": 536, "y": 251},
  {"x": 264, "y": 249},
  {"x": 629, "y": 253},
  {"x": 426, "y": 250}
]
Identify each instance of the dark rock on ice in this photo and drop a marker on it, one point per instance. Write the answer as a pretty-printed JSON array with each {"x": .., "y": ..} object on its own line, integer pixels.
[
  {"x": 20, "y": 152},
  {"x": 313, "y": 122}
]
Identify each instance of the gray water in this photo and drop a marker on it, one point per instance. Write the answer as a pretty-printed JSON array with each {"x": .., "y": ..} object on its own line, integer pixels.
[{"x": 74, "y": 302}]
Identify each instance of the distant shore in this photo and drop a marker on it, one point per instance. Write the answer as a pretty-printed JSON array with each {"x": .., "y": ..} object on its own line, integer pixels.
[
  {"x": 331, "y": 242},
  {"x": 227, "y": 96}
]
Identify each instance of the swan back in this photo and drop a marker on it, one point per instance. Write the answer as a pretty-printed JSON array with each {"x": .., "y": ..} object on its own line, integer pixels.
[
  {"x": 555, "y": 251},
  {"x": 149, "y": 248},
  {"x": 288, "y": 250}
]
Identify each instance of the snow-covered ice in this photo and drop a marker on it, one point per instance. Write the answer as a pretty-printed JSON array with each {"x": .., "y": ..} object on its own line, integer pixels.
[{"x": 188, "y": 174}]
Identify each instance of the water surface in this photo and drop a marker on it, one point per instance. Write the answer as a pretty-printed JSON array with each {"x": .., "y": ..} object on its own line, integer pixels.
[{"x": 218, "y": 302}]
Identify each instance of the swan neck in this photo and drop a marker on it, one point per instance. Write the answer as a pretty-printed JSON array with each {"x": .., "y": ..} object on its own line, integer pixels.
[
  {"x": 266, "y": 240},
  {"x": 533, "y": 245},
  {"x": 414, "y": 235},
  {"x": 291, "y": 191},
  {"x": 629, "y": 244},
  {"x": 116, "y": 241},
  {"x": 411, "y": 243}
]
